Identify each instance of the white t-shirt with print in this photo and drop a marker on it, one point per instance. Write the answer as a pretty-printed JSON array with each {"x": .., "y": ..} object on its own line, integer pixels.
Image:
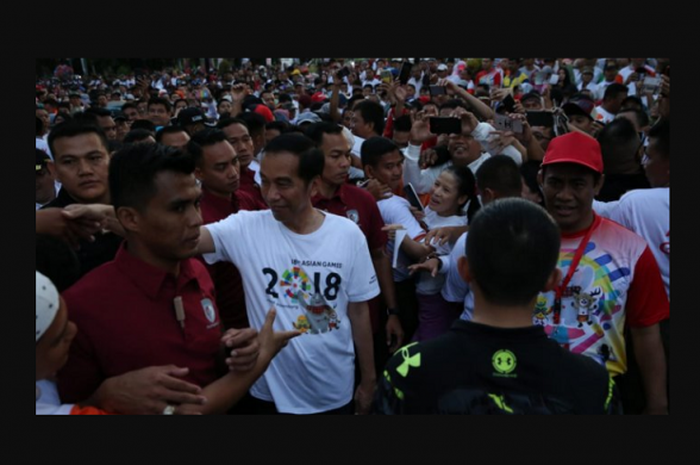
[
  {"x": 310, "y": 279},
  {"x": 397, "y": 210},
  {"x": 427, "y": 285},
  {"x": 648, "y": 213}
]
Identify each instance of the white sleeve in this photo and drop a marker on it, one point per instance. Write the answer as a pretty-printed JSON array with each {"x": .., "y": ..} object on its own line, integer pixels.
[
  {"x": 422, "y": 180},
  {"x": 222, "y": 233},
  {"x": 481, "y": 134},
  {"x": 605, "y": 209},
  {"x": 455, "y": 289},
  {"x": 401, "y": 214},
  {"x": 619, "y": 213},
  {"x": 363, "y": 284}
]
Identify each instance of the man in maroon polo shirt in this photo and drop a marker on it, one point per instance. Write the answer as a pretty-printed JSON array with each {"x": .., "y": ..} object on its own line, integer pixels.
[
  {"x": 340, "y": 198},
  {"x": 153, "y": 305},
  {"x": 218, "y": 168},
  {"x": 238, "y": 136}
]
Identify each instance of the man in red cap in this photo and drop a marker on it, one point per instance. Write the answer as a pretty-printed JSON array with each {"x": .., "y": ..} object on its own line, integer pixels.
[{"x": 611, "y": 280}]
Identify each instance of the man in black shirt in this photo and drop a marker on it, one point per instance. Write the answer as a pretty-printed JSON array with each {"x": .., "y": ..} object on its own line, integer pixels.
[
  {"x": 81, "y": 161},
  {"x": 499, "y": 363}
]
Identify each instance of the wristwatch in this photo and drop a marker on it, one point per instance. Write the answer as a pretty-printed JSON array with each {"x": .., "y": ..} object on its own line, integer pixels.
[{"x": 392, "y": 311}]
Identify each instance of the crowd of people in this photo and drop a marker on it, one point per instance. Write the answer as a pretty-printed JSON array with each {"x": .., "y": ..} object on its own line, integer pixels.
[{"x": 386, "y": 236}]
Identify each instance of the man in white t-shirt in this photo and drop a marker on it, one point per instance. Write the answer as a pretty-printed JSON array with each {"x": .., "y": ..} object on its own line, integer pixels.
[
  {"x": 315, "y": 269},
  {"x": 648, "y": 211},
  {"x": 612, "y": 102},
  {"x": 383, "y": 161}
]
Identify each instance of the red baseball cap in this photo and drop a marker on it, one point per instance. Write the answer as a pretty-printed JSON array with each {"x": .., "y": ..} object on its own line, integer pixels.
[
  {"x": 265, "y": 112},
  {"x": 575, "y": 147},
  {"x": 318, "y": 97}
]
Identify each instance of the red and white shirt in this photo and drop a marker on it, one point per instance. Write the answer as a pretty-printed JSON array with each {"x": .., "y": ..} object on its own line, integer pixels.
[{"x": 616, "y": 283}]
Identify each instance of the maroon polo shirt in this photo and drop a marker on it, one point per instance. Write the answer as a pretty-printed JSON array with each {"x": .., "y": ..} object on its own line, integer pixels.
[
  {"x": 126, "y": 321},
  {"x": 360, "y": 207},
  {"x": 230, "y": 297},
  {"x": 250, "y": 187}
]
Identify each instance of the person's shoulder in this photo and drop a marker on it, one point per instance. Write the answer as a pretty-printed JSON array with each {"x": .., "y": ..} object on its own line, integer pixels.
[
  {"x": 338, "y": 223},
  {"x": 645, "y": 195},
  {"x": 358, "y": 193},
  {"x": 99, "y": 282},
  {"x": 611, "y": 227},
  {"x": 583, "y": 372}
]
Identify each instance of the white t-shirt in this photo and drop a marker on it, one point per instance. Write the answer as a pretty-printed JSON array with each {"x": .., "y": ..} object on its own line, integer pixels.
[
  {"x": 47, "y": 400},
  {"x": 396, "y": 210},
  {"x": 455, "y": 288},
  {"x": 648, "y": 213},
  {"x": 310, "y": 279},
  {"x": 427, "y": 285},
  {"x": 603, "y": 115}
]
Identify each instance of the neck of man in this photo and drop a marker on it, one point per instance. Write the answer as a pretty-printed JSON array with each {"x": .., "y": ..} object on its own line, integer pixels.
[
  {"x": 501, "y": 316},
  {"x": 221, "y": 195},
  {"x": 144, "y": 254},
  {"x": 327, "y": 190},
  {"x": 306, "y": 222},
  {"x": 582, "y": 226}
]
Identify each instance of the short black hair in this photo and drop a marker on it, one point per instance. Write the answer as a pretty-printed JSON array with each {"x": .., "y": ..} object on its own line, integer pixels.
[
  {"x": 280, "y": 126},
  {"x": 613, "y": 90},
  {"x": 133, "y": 170},
  {"x": 143, "y": 124},
  {"x": 619, "y": 142},
  {"x": 98, "y": 111},
  {"x": 160, "y": 101},
  {"x": 632, "y": 101},
  {"x": 72, "y": 129},
  {"x": 512, "y": 250},
  {"x": 201, "y": 139},
  {"x": 639, "y": 115},
  {"x": 372, "y": 112},
  {"x": 226, "y": 122},
  {"x": 168, "y": 130},
  {"x": 316, "y": 131},
  {"x": 129, "y": 105},
  {"x": 501, "y": 174},
  {"x": 661, "y": 133},
  {"x": 311, "y": 159},
  {"x": 255, "y": 122},
  {"x": 374, "y": 148},
  {"x": 137, "y": 135}
]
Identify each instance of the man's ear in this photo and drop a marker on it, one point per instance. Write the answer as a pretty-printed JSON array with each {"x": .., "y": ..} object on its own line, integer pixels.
[
  {"x": 540, "y": 180},
  {"x": 599, "y": 185},
  {"x": 314, "y": 186},
  {"x": 369, "y": 171},
  {"x": 129, "y": 218},
  {"x": 487, "y": 196},
  {"x": 198, "y": 173},
  {"x": 553, "y": 280},
  {"x": 464, "y": 270}
]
